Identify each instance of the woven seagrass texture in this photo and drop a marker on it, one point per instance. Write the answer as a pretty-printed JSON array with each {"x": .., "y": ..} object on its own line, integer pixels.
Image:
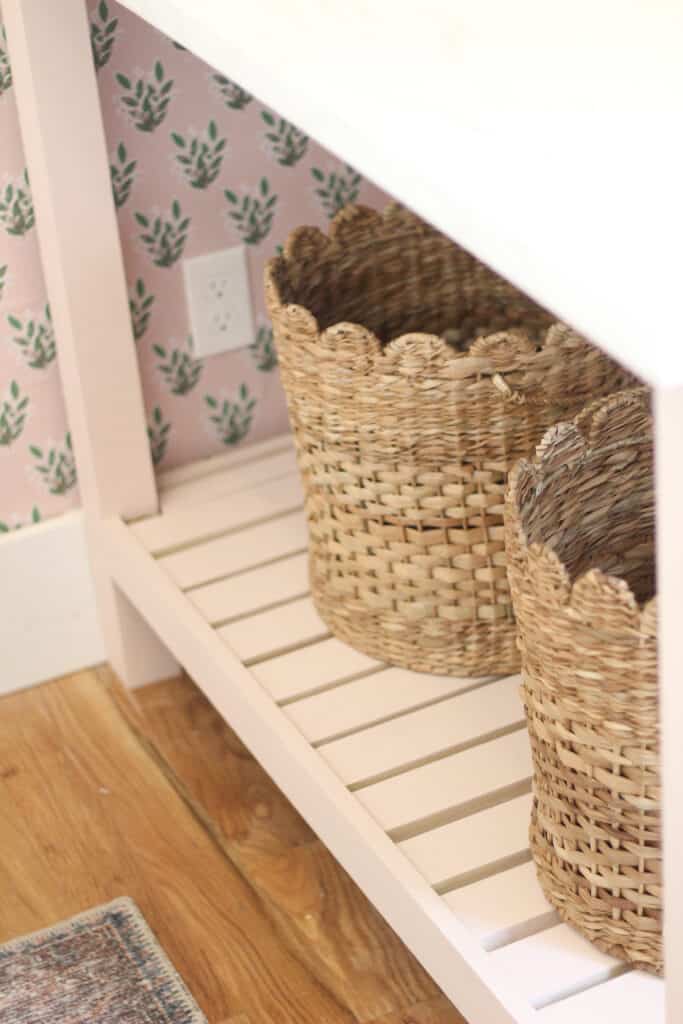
[
  {"x": 404, "y": 441},
  {"x": 580, "y": 533}
]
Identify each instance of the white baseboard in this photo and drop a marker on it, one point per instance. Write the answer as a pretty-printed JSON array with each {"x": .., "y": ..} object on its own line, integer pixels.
[{"x": 48, "y": 618}]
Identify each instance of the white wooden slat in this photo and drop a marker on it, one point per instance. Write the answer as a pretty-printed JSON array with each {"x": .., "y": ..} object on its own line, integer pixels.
[
  {"x": 311, "y": 668},
  {"x": 473, "y": 847},
  {"x": 554, "y": 964},
  {"x": 633, "y": 998},
  {"x": 278, "y": 629},
  {"x": 366, "y": 701},
  {"x": 225, "y": 556},
  {"x": 169, "y": 479},
  {"x": 191, "y": 523},
  {"x": 504, "y": 907},
  {"x": 253, "y": 590},
  {"x": 452, "y": 786},
  {"x": 229, "y": 480},
  {"x": 422, "y": 735}
]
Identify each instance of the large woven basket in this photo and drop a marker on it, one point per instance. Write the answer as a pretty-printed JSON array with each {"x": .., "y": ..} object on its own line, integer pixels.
[
  {"x": 580, "y": 532},
  {"x": 404, "y": 441}
]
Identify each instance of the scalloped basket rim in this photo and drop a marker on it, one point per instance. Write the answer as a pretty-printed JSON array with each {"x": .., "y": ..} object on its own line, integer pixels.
[
  {"x": 533, "y": 468},
  {"x": 522, "y": 349}
]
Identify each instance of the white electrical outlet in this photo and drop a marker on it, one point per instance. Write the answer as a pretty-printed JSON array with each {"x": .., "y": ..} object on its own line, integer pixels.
[{"x": 219, "y": 301}]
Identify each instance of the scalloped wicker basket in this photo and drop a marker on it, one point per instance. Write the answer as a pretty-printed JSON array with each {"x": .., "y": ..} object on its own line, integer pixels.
[
  {"x": 404, "y": 441},
  {"x": 580, "y": 533}
]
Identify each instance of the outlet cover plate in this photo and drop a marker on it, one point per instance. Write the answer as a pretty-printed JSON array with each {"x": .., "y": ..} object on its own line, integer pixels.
[{"x": 219, "y": 301}]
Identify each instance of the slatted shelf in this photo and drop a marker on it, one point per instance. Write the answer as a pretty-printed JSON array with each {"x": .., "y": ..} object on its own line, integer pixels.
[
  {"x": 553, "y": 964},
  {"x": 224, "y": 556},
  {"x": 431, "y": 732},
  {"x": 504, "y": 907},
  {"x": 364, "y": 702},
  {"x": 252, "y": 591},
  {"x": 419, "y": 784}
]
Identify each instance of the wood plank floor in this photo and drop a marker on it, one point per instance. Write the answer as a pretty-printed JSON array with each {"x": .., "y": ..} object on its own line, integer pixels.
[{"x": 160, "y": 801}]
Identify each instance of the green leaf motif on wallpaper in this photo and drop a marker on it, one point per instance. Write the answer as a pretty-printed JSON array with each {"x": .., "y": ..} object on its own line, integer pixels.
[
  {"x": 287, "y": 143},
  {"x": 3, "y": 279},
  {"x": 57, "y": 466},
  {"x": 157, "y": 432},
  {"x": 232, "y": 420},
  {"x": 140, "y": 305},
  {"x": 146, "y": 100},
  {"x": 102, "y": 34},
  {"x": 337, "y": 189},
  {"x": 232, "y": 94},
  {"x": 164, "y": 238},
  {"x": 253, "y": 215},
  {"x": 5, "y": 66},
  {"x": 36, "y": 339},
  {"x": 13, "y": 413},
  {"x": 200, "y": 156},
  {"x": 35, "y": 518},
  {"x": 262, "y": 349},
  {"x": 122, "y": 175},
  {"x": 180, "y": 371},
  {"x": 16, "y": 207}
]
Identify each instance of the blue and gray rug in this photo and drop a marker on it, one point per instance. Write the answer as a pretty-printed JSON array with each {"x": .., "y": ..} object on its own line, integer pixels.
[{"x": 102, "y": 967}]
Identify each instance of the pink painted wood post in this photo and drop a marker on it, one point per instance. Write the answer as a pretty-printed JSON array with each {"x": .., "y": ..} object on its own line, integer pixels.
[
  {"x": 61, "y": 126},
  {"x": 669, "y": 455}
]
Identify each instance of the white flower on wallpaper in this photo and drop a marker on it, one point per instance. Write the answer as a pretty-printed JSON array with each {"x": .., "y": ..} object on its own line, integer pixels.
[
  {"x": 262, "y": 348},
  {"x": 200, "y": 155},
  {"x": 140, "y": 304},
  {"x": 103, "y": 26},
  {"x": 13, "y": 413},
  {"x": 284, "y": 141},
  {"x": 164, "y": 234},
  {"x": 34, "y": 335},
  {"x": 252, "y": 211},
  {"x": 231, "y": 417},
  {"x": 336, "y": 188},
  {"x": 122, "y": 171},
  {"x": 232, "y": 95},
  {"x": 197, "y": 164},
  {"x": 16, "y": 206},
  {"x": 5, "y": 67},
  {"x": 146, "y": 97},
  {"x": 158, "y": 430},
  {"x": 56, "y": 464},
  {"x": 179, "y": 369}
]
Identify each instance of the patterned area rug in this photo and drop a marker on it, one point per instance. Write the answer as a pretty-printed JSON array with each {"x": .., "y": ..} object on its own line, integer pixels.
[{"x": 103, "y": 967}]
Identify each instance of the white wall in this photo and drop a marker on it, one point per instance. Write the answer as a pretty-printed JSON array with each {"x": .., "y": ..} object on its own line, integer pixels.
[{"x": 48, "y": 618}]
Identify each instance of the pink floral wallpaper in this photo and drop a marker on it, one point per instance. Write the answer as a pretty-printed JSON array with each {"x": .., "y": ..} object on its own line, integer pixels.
[{"x": 197, "y": 164}]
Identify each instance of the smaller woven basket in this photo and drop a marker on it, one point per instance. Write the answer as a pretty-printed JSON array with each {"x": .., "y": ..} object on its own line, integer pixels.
[
  {"x": 404, "y": 439},
  {"x": 581, "y": 561}
]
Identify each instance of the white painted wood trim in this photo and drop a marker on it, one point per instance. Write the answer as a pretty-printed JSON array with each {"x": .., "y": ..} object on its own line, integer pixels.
[
  {"x": 48, "y": 618},
  {"x": 669, "y": 457},
  {"x": 521, "y": 130},
  {"x": 422, "y": 919},
  {"x": 59, "y": 114}
]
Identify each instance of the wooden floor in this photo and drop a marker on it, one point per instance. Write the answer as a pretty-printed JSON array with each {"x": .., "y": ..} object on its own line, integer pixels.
[{"x": 160, "y": 801}]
